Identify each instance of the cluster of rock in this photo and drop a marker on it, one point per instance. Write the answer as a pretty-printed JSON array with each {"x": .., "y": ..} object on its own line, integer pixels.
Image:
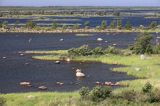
[{"x": 108, "y": 84}]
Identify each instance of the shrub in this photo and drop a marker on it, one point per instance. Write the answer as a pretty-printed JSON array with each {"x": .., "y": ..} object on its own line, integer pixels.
[
  {"x": 156, "y": 49},
  {"x": 103, "y": 25},
  {"x": 147, "y": 88},
  {"x": 128, "y": 25},
  {"x": 81, "y": 51},
  {"x": 153, "y": 25},
  {"x": 100, "y": 93},
  {"x": 84, "y": 92},
  {"x": 129, "y": 95},
  {"x": 113, "y": 50},
  {"x": 143, "y": 44},
  {"x": 2, "y": 101},
  {"x": 98, "y": 51},
  {"x": 31, "y": 24},
  {"x": 155, "y": 96}
]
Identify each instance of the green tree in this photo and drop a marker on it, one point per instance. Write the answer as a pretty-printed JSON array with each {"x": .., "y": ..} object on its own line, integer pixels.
[
  {"x": 119, "y": 24},
  {"x": 128, "y": 25},
  {"x": 5, "y": 24},
  {"x": 64, "y": 27},
  {"x": 153, "y": 25},
  {"x": 54, "y": 25},
  {"x": 16, "y": 23},
  {"x": 76, "y": 26},
  {"x": 143, "y": 44},
  {"x": 1, "y": 24},
  {"x": 87, "y": 23},
  {"x": 112, "y": 24},
  {"x": 31, "y": 24},
  {"x": 103, "y": 25}
]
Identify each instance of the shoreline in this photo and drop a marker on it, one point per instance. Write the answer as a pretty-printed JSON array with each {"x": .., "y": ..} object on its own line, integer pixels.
[{"x": 78, "y": 31}]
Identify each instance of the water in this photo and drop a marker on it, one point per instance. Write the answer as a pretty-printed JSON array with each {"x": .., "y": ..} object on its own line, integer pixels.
[
  {"x": 94, "y": 21},
  {"x": 16, "y": 68}
]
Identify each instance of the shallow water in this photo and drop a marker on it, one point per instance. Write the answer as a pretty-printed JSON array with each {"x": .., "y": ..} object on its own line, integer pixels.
[
  {"x": 16, "y": 68},
  {"x": 94, "y": 21}
]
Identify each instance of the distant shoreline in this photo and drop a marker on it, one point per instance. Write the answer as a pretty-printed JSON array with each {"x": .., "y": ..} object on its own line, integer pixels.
[{"x": 77, "y": 31}]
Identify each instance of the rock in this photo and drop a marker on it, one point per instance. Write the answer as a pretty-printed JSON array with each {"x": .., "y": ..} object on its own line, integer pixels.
[
  {"x": 4, "y": 57},
  {"x": 42, "y": 88},
  {"x": 114, "y": 44},
  {"x": 98, "y": 83},
  {"x": 59, "y": 83},
  {"x": 108, "y": 83},
  {"x": 26, "y": 63},
  {"x": 68, "y": 59},
  {"x": 21, "y": 54},
  {"x": 27, "y": 84},
  {"x": 117, "y": 84},
  {"x": 61, "y": 39},
  {"x": 79, "y": 73},
  {"x": 30, "y": 97},
  {"x": 99, "y": 39},
  {"x": 57, "y": 62},
  {"x": 142, "y": 56},
  {"x": 137, "y": 69}
]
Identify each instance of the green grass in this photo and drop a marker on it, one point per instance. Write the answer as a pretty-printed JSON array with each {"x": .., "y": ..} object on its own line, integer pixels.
[{"x": 39, "y": 98}]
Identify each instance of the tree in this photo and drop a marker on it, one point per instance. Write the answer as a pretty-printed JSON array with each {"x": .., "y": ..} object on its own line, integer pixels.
[
  {"x": 112, "y": 24},
  {"x": 31, "y": 24},
  {"x": 1, "y": 24},
  {"x": 87, "y": 23},
  {"x": 54, "y": 25},
  {"x": 64, "y": 26},
  {"x": 119, "y": 24},
  {"x": 153, "y": 25},
  {"x": 16, "y": 23},
  {"x": 5, "y": 24},
  {"x": 128, "y": 25},
  {"x": 143, "y": 44},
  {"x": 103, "y": 25},
  {"x": 76, "y": 26}
]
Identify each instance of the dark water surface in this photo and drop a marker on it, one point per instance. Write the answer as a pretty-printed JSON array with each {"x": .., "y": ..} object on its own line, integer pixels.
[
  {"x": 94, "y": 21},
  {"x": 16, "y": 68}
]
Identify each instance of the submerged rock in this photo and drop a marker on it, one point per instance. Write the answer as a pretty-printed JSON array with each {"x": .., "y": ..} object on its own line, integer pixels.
[
  {"x": 99, "y": 39},
  {"x": 27, "y": 84},
  {"x": 42, "y": 88},
  {"x": 57, "y": 62}
]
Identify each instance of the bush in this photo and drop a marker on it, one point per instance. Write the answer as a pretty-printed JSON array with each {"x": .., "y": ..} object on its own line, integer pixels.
[
  {"x": 100, "y": 93},
  {"x": 81, "y": 51},
  {"x": 147, "y": 88},
  {"x": 2, "y": 101},
  {"x": 103, "y": 25},
  {"x": 113, "y": 50},
  {"x": 31, "y": 24},
  {"x": 143, "y": 44},
  {"x": 155, "y": 96},
  {"x": 129, "y": 95},
  {"x": 84, "y": 92},
  {"x": 153, "y": 25},
  {"x": 98, "y": 51},
  {"x": 156, "y": 49}
]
